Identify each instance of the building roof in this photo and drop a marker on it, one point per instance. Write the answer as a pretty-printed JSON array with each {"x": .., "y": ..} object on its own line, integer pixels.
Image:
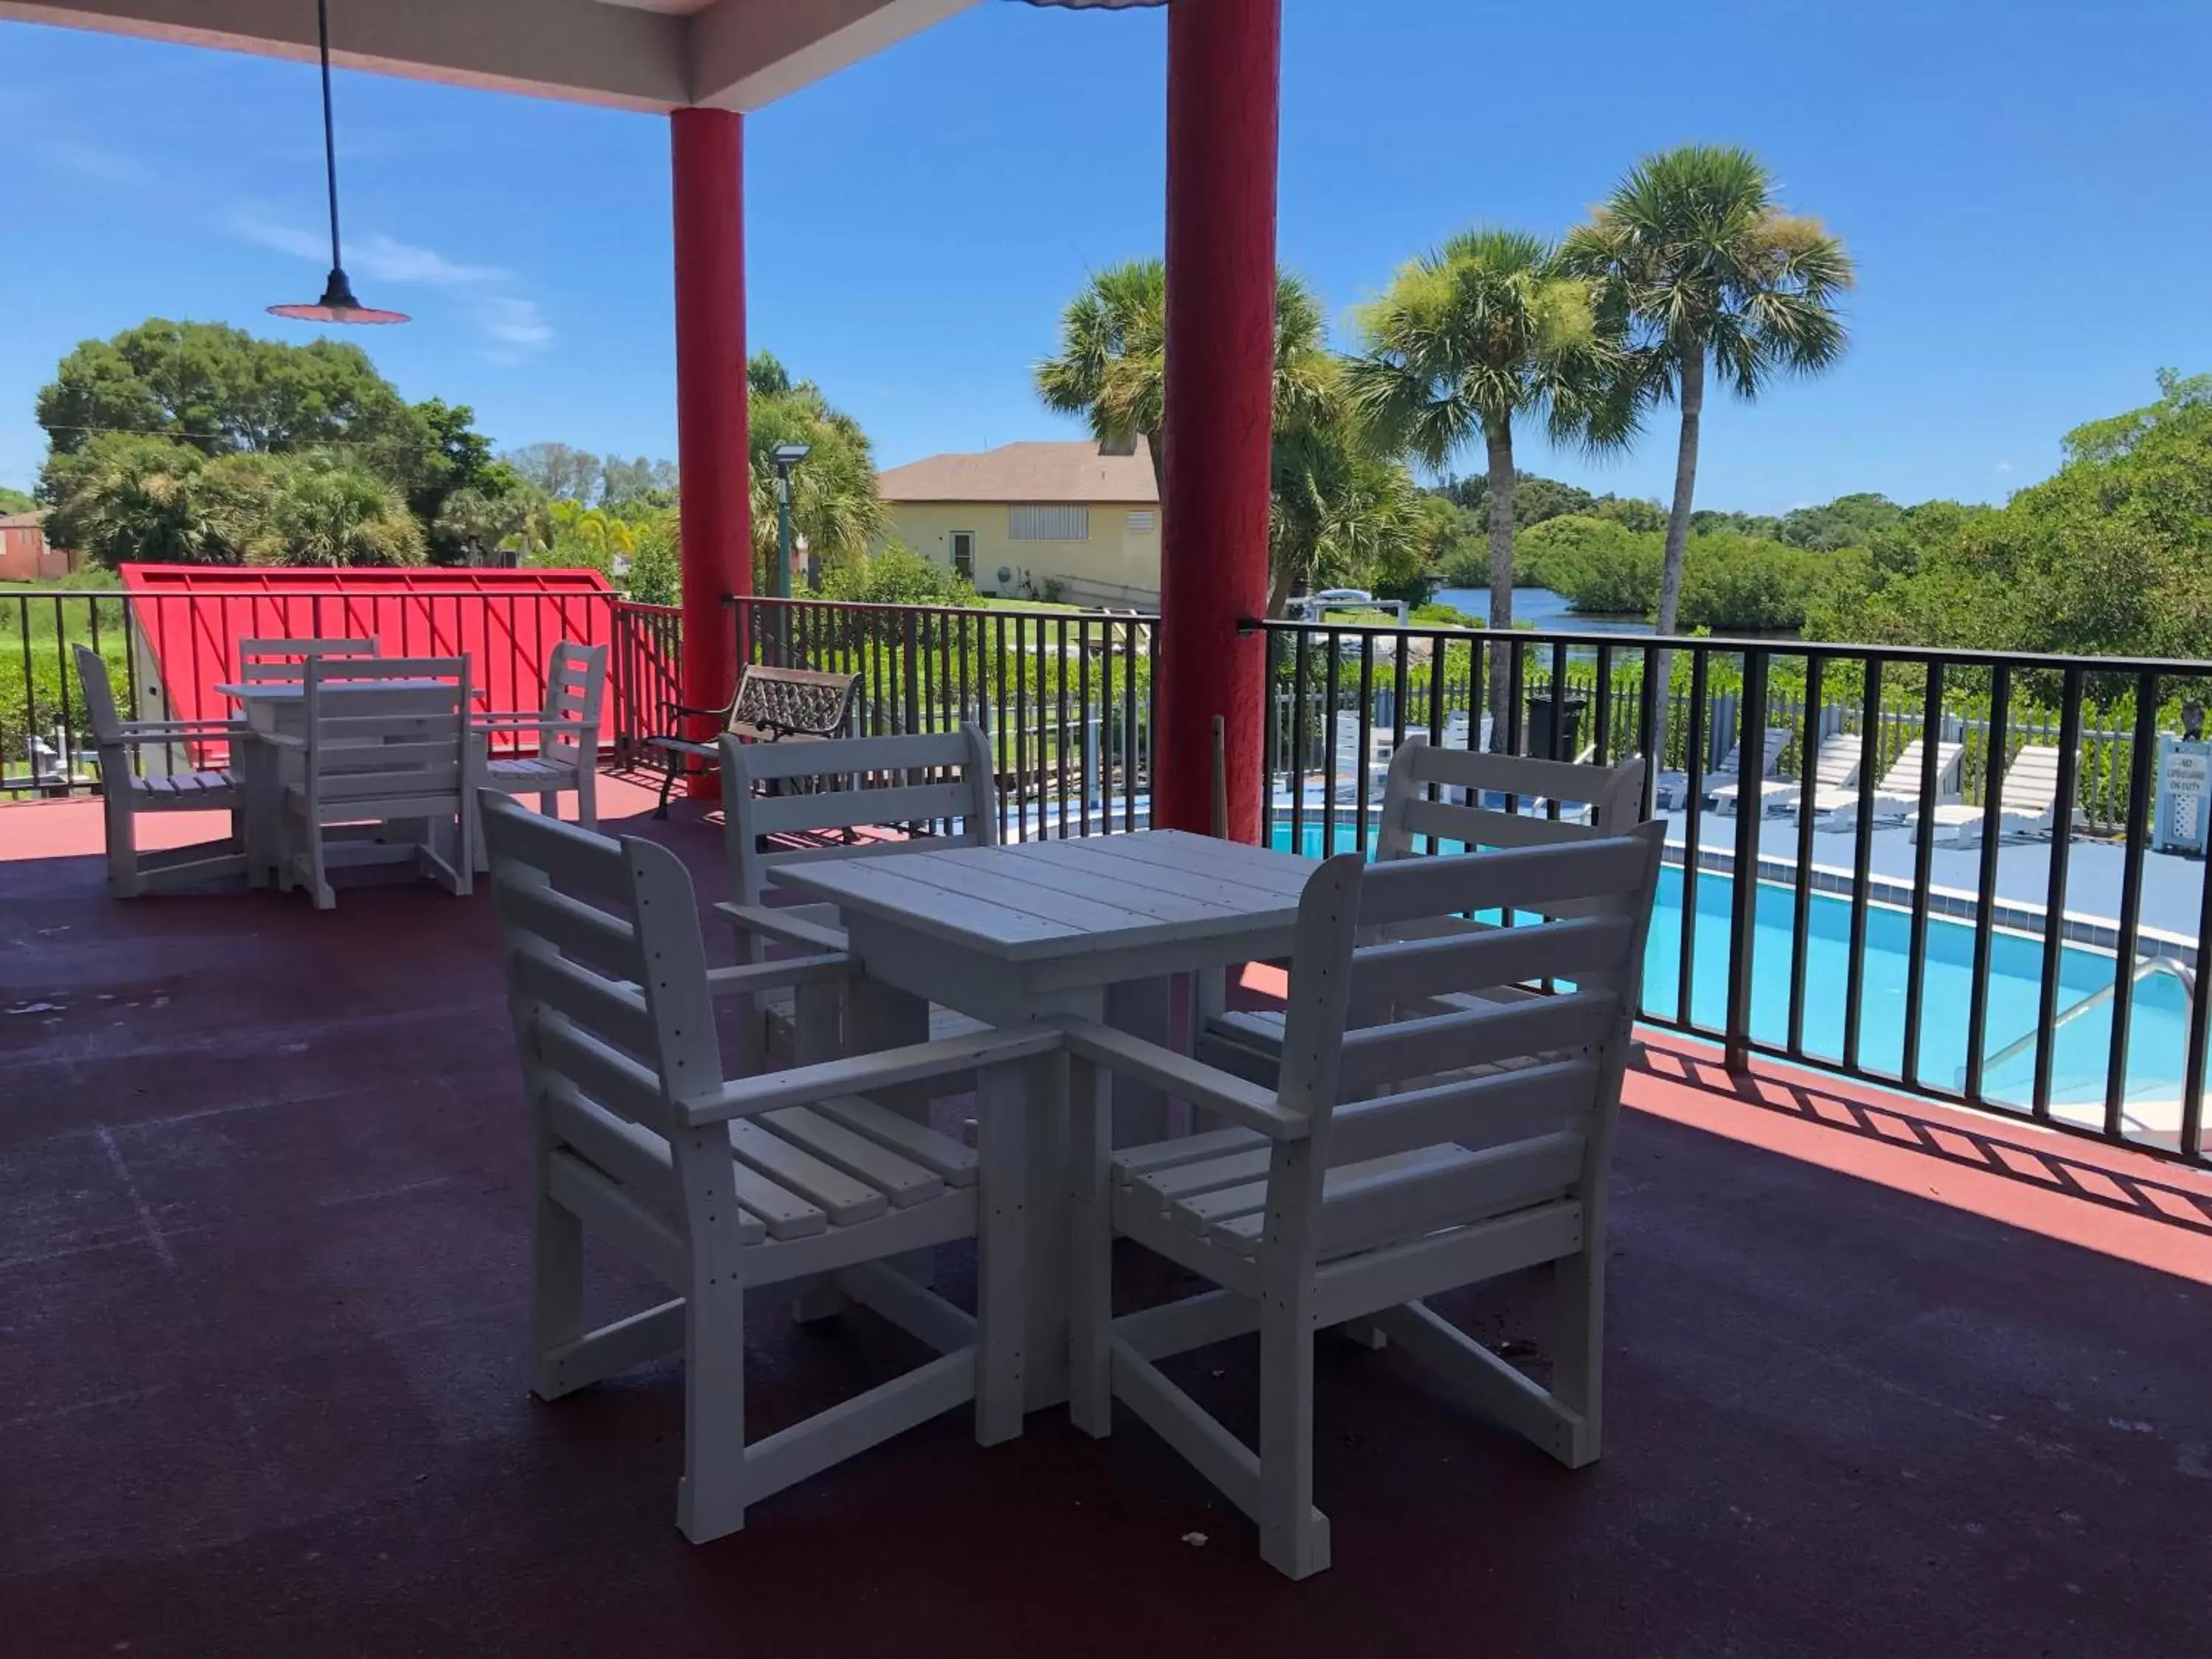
[
  {"x": 1067, "y": 473},
  {"x": 31, "y": 520}
]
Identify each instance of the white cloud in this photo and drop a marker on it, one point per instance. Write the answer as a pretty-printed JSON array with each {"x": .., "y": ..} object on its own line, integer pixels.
[
  {"x": 2004, "y": 466},
  {"x": 514, "y": 327}
]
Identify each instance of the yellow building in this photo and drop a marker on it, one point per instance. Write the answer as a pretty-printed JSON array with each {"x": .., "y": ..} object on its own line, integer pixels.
[{"x": 1073, "y": 521}]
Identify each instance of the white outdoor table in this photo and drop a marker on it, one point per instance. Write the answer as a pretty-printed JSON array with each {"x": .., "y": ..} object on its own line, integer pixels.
[
  {"x": 1091, "y": 927},
  {"x": 281, "y": 707}
]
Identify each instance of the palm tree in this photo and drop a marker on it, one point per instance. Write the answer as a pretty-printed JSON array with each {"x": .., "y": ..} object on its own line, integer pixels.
[
  {"x": 1112, "y": 370},
  {"x": 1471, "y": 337},
  {"x": 1707, "y": 267},
  {"x": 834, "y": 504}
]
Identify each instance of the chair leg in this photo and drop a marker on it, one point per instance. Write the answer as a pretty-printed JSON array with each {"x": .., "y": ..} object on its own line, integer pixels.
[
  {"x": 667, "y": 784},
  {"x": 556, "y": 1290},
  {"x": 122, "y": 844},
  {"x": 548, "y": 802},
  {"x": 710, "y": 1502},
  {"x": 1293, "y": 1538},
  {"x": 1090, "y": 1251},
  {"x": 1578, "y": 1350},
  {"x": 1002, "y": 1290},
  {"x": 319, "y": 877},
  {"x": 587, "y": 791}
]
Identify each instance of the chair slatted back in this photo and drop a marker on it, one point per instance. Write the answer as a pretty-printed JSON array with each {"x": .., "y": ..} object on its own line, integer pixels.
[
  {"x": 2031, "y": 780},
  {"x": 386, "y": 737},
  {"x": 1613, "y": 796},
  {"x": 1430, "y": 1036},
  {"x": 606, "y": 978},
  {"x": 941, "y": 777},
  {"x": 1835, "y": 765},
  {"x": 576, "y": 685},
  {"x": 1903, "y": 777},
  {"x": 99, "y": 703},
  {"x": 280, "y": 660}
]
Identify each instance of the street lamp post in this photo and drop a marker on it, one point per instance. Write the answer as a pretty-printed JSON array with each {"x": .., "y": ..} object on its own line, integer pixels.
[{"x": 785, "y": 457}]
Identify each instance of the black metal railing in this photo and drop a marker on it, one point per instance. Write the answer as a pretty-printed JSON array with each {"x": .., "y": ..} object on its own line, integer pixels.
[
  {"x": 164, "y": 651},
  {"x": 1930, "y": 930},
  {"x": 1065, "y": 696},
  {"x": 2033, "y": 949}
]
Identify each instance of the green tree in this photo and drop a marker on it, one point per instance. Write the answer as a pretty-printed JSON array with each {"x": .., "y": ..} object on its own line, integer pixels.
[
  {"x": 218, "y": 391},
  {"x": 557, "y": 472},
  {"x": 896, "y": 574},
  {"x": 329, "y": 509},
  {"x": 2108, "y": 556},
  {"x": 1714, "y": 276},
  {"x": 216, "y": 388},
  {"x": 1847, "y": 521},
  {"x": 1112, "y": 370},
  {"x": 126, "y": 496},
  {"x": 1467, "y": 339},
  {"x": 833, "y": 504}
]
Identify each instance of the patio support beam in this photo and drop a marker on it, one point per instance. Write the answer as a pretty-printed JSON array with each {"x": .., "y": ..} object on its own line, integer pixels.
[
  {"x": 708, "y": 167},
  {"x": 1224, "y": 73}
]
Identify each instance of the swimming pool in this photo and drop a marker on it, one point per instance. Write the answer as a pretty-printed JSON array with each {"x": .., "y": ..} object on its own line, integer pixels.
[{"x": 2157, "y": 1037}]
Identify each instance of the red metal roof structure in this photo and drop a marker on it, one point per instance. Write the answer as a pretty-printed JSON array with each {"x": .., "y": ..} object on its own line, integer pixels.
[{"x": 188, "y": 619}]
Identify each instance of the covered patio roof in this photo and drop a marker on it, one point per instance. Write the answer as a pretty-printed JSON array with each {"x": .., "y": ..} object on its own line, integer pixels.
[
  {"x": 1883, "y": 1377},
  {"x": 634, "y": 54}
]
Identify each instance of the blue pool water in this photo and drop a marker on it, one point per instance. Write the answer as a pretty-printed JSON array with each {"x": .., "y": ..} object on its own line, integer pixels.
[{"x": 2158, "y": 1035}]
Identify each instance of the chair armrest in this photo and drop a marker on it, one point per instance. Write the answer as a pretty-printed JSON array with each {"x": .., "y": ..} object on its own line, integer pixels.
[
  {"x": 673, "y": 711},
  {"x": 787, "y": 926},
  {"x": 1242, "y": 1103},
  {"x": 282, "y": 739},
  {"x": 752, "y": 976},
  {"x": 805, "y": 1085},
  {"x": 176, "y": 731}
]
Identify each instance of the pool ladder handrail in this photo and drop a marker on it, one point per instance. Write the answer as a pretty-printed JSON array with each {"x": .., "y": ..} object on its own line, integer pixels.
[{"x": 2149, "y": 968}]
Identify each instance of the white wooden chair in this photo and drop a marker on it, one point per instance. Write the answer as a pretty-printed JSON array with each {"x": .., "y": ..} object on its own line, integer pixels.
[
  {"x": 943, "y": 778},
  {"x": 565, "y": 734},
  {"x": 719, "y": 1187},
  {"x": 1400, "y": 1157},
  {"x": 370, "y": 755},
  {"x": 1595, "y": 801},
  {"x": 124, "y": 795}
]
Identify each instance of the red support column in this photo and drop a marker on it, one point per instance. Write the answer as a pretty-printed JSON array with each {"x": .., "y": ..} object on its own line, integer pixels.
[
  {"x": 1223, "y": 72},
  {"x": 707, "y": 153}
]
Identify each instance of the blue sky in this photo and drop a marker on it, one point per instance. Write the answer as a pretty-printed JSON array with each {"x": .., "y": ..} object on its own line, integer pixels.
[{"x": 2025, "y": 199}]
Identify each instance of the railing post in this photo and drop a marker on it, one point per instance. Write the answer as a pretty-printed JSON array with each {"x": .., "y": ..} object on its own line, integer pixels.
[{"x": 1743, "y": 893}]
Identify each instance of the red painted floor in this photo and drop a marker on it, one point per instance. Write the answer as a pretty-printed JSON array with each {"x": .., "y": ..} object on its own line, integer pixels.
[{"x": 1883, "y": 1379}]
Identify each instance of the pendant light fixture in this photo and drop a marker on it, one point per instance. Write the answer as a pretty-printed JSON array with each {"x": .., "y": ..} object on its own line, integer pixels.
[{"x": 337, "y": 304}]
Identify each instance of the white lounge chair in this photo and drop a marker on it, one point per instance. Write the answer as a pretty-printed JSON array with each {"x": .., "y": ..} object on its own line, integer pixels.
[
  {"x": 1672, "y": 790},
  {"x": 1898, "y": 796},
  {"x": 2027, "y": 805},
  {"x": 1835, "y": 779}
]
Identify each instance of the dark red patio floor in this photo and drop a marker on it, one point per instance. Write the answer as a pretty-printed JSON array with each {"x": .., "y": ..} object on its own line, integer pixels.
[{"x": 1881, "y": 1379}]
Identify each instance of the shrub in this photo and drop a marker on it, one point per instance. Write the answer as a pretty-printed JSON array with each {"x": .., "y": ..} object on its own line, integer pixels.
[{"x": 896, "y": 574}]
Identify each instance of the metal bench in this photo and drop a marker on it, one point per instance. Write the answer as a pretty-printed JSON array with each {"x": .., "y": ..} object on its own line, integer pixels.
[{"x": 772, "y": 705}]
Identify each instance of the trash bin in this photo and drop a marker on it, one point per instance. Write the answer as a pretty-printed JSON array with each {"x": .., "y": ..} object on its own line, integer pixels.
[{"x": 1541, "y": 727}]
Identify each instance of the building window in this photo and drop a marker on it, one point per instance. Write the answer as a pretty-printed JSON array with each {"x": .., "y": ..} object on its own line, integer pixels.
[
  {"x": 1141, "y": 524},
  {"x": 1049, "y": 523}
]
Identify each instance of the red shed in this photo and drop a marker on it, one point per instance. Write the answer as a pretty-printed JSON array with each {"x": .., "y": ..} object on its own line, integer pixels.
[{"x": 188, "y": 619}]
